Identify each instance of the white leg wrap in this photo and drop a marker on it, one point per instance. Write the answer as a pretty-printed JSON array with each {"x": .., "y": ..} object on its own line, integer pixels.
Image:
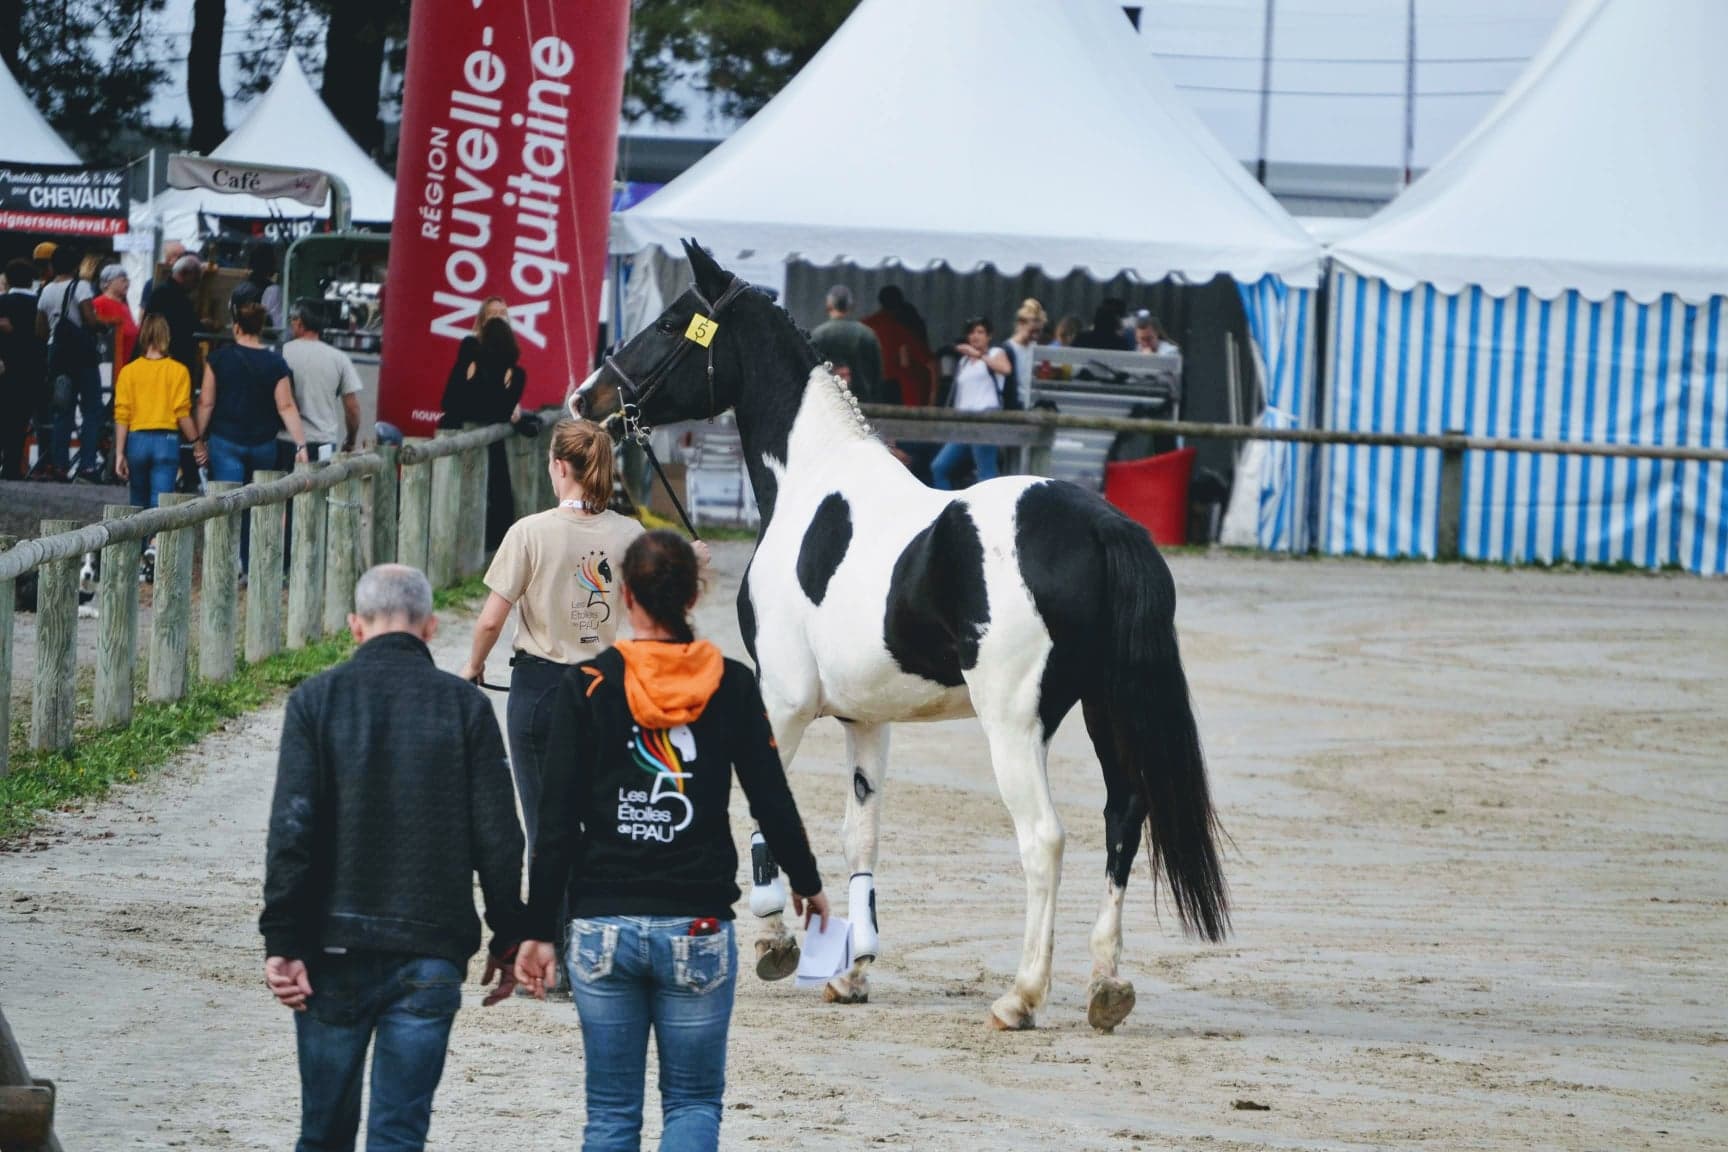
[
  {"x": 861, "y": 911},
  {"x": 767, "y": 892}
]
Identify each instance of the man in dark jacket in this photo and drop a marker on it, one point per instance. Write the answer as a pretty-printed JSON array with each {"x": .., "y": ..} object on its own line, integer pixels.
[{"x": 392, "y": 791}]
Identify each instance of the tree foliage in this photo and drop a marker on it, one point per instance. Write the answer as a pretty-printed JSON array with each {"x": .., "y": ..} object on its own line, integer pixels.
[
  {"x": 88, "y": 65},
  {"x": 740, "y": 51}
]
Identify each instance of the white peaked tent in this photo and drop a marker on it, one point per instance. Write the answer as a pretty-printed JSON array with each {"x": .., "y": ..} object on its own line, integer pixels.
[
  {"x": 1561, "y": 275},
  {"x": 27, "y": 138},
  {"x": 288, "y": 125},
  {"x": 896, "y": 146}
]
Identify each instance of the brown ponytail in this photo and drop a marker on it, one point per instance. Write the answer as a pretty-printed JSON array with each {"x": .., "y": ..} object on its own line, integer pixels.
[{"x": 588, "y": 450}]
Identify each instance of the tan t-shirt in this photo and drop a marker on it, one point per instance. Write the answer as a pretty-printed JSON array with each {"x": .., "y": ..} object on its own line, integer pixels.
[{"x": 561, "y": 570}]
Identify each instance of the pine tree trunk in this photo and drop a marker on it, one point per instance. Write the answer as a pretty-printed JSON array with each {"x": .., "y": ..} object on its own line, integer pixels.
[
  {"x": 204, "y": 75},
  {"x": 354, "y": 69}
]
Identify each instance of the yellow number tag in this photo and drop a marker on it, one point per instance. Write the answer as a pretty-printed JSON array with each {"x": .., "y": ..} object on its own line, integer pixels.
[{"x": 701, "y": 330}]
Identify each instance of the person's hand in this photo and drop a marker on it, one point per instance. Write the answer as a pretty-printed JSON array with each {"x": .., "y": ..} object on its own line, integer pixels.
[
  {"x": 968, "y": 351},
  {"x": 704, "y": 557},
  {"x": 122, "y": 469},
  {"x": 503, "y": 967},
  {"x": 201, "y": 452},
  {"x": 300, "y": 455},
  {"x": 537, "y": 967},
  {"x": 472, "y": 672},
  {"x": 288, "y": 982},
  {"x": 811, "y": 906},
  {"x": 516, "y": 414}
]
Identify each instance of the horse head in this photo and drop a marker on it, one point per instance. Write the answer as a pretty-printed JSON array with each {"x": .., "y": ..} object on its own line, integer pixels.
[{"x": 684, "y": 366}]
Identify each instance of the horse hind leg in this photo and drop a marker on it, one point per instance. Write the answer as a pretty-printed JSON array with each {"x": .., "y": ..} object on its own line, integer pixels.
[
  {"x": 777, "y": 951},
  {"x": 1018, "y": 754},
  {"x": 1110, "y": 999},
  {"x": 867, "y": 753}
]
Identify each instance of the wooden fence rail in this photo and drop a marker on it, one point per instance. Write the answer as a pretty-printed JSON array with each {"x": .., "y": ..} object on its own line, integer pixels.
[{"x": 1036, "y": 430}]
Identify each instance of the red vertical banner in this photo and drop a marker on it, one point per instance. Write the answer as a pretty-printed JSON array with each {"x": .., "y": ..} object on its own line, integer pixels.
[{"x": 503, "y": 188}]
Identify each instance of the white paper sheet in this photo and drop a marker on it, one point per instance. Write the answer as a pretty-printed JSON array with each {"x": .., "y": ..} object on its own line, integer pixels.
[{"x": 827, "y": 953}]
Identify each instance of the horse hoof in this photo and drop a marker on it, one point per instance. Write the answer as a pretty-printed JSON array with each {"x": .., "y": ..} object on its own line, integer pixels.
[
  {"x": 776, "y": 959},
  {"x": 844, "y": 990},
  {"x": 1011, "y": 1019},
  {"x": 1109, "y": 1001}
]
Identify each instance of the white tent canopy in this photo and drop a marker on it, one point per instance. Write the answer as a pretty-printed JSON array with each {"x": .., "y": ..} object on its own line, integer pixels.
[
  {"x": 28, "y": 139},
  {"x": 289, "y": 125},
  {"x": 1601, "y": 170},
  {"x": 972, "y": 132}
]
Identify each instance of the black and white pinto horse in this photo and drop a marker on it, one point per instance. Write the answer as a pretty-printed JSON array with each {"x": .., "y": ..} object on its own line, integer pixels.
[{"x": 874, "y": 599}]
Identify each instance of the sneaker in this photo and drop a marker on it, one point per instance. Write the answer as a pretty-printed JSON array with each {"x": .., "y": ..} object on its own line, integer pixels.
[{"x": 147, "y": 566}]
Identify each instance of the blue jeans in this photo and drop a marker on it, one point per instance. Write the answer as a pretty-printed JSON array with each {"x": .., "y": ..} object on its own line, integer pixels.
[
  {"x": 154, "y": 458},
  {"x": 954, "y": 455},
  {"x": 409, "y": 1002},
  {"x": 93, "y": 414},
  {"x": 632, "y": 973},
  {"x": 230, "y": 460}
]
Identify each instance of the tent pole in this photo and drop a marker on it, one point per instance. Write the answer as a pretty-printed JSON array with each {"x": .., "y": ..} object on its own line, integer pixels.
[
  {"x": 1265, "y": 96},
  {"x": 1409, "y": 90}
]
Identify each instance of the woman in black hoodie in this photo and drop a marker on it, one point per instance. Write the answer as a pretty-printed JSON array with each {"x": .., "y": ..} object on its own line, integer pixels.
[
  {"x": 485, "y": 387},
  {"x": 633, "y": 824}
]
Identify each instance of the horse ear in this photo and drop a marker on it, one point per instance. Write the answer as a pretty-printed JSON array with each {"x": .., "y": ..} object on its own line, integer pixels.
[{"x": 711, "y": 279}]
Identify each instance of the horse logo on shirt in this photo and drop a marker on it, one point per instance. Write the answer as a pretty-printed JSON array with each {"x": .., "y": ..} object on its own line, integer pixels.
[
  {"x": 593, "y": 577},
  {"x": 665, "y": 811}
]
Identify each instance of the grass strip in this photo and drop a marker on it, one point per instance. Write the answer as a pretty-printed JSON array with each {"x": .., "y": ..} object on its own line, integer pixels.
[{"x": 52, "y": 781}]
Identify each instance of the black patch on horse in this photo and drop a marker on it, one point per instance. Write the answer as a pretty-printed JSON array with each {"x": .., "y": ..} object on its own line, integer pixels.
[
  {"x": 937, "y": 606},
  {"x": 860, "y": 785},
  {"x": 1056, "y": 543},
  {"x": 825, "y": 542},
  {"x": 747, "y": 612}
]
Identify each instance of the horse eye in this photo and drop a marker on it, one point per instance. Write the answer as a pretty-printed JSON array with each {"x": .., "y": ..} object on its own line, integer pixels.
[{"x": 667, "y": 325}]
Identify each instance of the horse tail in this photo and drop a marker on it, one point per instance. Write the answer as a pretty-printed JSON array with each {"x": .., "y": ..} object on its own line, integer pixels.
[{"x": 1157, "y": 740}]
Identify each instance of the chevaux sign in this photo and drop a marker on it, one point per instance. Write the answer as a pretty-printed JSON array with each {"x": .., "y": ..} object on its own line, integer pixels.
[
  {"x": 503, "y": 185},
  {"x": 61, "y": 200}
]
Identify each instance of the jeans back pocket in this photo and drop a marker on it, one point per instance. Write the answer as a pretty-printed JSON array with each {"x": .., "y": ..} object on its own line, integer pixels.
[
  {"x": 593, "y": 949},
  {"x": 700, "y": 964}
]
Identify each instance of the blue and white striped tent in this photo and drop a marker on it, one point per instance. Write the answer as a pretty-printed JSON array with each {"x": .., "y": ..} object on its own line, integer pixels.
[{"x": 1562, "y": 275}]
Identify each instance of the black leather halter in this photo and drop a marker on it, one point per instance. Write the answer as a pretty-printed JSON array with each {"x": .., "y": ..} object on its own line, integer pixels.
[{"x": 633, "y": 394}]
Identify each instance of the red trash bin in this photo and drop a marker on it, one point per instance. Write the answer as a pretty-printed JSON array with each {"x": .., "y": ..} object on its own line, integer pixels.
[{"x": 1154, "y": 492}]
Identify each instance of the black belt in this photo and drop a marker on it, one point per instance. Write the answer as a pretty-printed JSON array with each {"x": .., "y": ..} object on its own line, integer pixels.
[{"x": 519, "y": 658}]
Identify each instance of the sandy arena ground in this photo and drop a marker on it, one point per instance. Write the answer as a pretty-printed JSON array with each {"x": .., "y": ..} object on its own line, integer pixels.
[{"x": 1481, "y": 900}]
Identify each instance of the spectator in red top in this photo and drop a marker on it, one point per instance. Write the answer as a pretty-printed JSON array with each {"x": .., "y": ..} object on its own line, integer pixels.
[
  {"x": 907, "y": 361},
  {"x": 113, "y": 312}
]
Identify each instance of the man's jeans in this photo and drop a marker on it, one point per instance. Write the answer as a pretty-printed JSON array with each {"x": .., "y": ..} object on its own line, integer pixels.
[
  {"x": 409, "y": 1002},
  {"x": 632, "y": 973},
  {"x": 93, "y": 414}
]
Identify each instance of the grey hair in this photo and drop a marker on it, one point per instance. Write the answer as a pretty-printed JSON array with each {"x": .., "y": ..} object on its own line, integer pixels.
[
  {"x": 311, "y": 316},
  {"x": 393, "y": 591},
  {"x": 840, "y": 298},
  {"x": 186, "y": 265},
  {"x": 110, "y": 273}
]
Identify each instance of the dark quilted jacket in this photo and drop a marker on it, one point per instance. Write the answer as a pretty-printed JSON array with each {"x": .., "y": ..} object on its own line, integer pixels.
[{"x": 392, "y": 791}]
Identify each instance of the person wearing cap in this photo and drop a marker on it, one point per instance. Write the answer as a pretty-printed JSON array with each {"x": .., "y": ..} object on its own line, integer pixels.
[
  {"x": 43, "y": 256},
  {"x": 66, "y": 320},
  {"x": 115, "y": 314}
]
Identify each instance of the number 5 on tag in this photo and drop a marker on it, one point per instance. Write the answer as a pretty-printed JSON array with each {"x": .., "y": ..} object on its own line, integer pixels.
[{"x": 701, "y": 330}]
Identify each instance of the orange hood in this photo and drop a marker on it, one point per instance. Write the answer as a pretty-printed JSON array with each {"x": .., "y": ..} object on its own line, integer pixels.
[{"x": 669, "y": 684}]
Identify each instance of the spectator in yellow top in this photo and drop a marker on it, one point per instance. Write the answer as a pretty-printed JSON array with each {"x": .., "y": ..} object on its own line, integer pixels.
[{"x": 152, "y": 411}]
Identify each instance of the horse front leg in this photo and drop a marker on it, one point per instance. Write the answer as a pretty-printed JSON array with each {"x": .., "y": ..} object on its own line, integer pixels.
[
  {"x": 776, "y": 947},
  {"x": 867, "y": 753}
]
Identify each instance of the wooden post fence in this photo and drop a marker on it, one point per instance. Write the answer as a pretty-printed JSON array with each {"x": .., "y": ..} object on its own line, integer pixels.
[
  {"x": 342, "y": 554},
  {"x": 383, "y": 500},
  {"x": 444, "y": 547},
  {"x": 523, "y": 454},
  {"x": 1449, "y": 521},
  {"x": 220, "y": 591},
  {"x": 306, "y": 566},
  {"x": 56, "y": 649},
  {"x": 414, "y": 523},
  {"x": 26, "y": 1104},
  {"x": 471, "y": 531},
  {"x": 264, "y": 577},
  {"x": 117, "y": 631},
  {"x": 171, "y": 607}
]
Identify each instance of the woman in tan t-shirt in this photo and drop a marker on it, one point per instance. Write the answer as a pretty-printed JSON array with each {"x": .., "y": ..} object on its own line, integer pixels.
[{"x": 560, "y": 568}]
